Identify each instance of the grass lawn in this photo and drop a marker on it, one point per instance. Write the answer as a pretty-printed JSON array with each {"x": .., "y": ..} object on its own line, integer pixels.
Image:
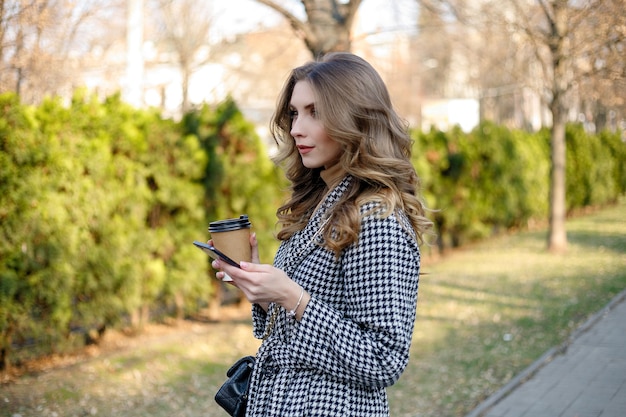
[{"x": 485, "y": 313}]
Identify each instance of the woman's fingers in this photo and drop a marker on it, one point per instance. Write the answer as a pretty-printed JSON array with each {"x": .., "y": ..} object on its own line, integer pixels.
[
  {"x": 254, "y": 246},
  {"x": 220, "y": 274},
  {"x": 260, "y": 283}
]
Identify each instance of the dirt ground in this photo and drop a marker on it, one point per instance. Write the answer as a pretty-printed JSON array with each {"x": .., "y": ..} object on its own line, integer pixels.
[{"x": 167, "y": 370}]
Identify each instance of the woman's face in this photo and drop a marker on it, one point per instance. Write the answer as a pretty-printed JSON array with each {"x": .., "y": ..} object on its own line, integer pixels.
[{"x": 315, "y": 147}]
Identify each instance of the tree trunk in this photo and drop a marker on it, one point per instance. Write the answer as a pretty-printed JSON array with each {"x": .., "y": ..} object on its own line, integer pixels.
[
  {"x": 215, "y": 300},
  {"x": 179, "y": 300},
  {"x": 186, "y": 76},
  {"x": 6, "y": 340},
  {"x": 558, "y": 43},
  {"x": 327, "y": 26},
  {"x": 557, "y": 238},
  {"x": 133, "y": 93}
]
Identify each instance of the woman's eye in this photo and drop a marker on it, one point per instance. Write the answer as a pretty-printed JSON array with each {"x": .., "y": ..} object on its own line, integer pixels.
[{"x": 293, "y": 114}]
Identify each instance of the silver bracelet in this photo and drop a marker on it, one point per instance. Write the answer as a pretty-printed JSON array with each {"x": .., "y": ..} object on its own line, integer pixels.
[{"x": 292, "y": 313}]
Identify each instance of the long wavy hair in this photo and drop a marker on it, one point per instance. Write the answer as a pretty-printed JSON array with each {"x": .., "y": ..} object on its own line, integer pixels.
[{"x": 354, "y": 106}]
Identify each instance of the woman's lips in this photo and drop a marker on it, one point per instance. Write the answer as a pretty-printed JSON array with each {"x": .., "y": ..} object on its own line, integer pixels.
[{"x": 304, "y": 149}]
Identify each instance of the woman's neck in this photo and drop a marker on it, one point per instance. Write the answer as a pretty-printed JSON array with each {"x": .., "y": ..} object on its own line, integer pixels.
[{"x": 333, "y": 175}]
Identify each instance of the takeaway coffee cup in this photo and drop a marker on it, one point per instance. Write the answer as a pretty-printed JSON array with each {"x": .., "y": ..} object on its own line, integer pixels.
[{"x": 232, "y": 237}]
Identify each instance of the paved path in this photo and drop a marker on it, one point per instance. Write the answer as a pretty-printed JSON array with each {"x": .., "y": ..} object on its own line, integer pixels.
[{"x": 584, "y": 378}]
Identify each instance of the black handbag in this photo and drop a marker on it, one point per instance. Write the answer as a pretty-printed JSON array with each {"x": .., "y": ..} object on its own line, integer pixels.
[{"x": 233, "y": 395}]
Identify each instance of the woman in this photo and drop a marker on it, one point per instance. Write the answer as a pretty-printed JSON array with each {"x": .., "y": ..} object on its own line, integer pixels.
[{"x": 339, "y": 302}]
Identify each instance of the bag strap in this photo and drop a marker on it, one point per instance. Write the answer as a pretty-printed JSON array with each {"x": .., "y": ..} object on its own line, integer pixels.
[{"x": 270, "y": 326}]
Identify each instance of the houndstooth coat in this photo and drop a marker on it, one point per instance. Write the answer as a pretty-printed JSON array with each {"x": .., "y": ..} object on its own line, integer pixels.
[{"x": 355, "y": 334}]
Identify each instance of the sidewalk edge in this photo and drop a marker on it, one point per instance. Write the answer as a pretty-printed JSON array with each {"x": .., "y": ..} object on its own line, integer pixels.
[{"x": 547, "y": 357}]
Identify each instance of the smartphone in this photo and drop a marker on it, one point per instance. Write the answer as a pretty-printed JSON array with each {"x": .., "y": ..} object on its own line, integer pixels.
[{"x": 214, "y": 253}]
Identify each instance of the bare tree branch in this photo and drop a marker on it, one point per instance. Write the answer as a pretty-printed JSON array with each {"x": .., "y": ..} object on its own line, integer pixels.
[
  {"x": 298, "y": 26},
  {"x": 328, "y": 23}
]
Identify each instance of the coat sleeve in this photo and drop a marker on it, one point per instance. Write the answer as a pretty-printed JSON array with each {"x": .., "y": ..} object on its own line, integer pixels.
[
  {"x": 368, "y": 343},
  {"x": 259, "y": 321}
]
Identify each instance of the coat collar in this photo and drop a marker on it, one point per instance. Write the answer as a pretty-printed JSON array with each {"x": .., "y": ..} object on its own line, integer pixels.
[{"x": 303, "y": 242}]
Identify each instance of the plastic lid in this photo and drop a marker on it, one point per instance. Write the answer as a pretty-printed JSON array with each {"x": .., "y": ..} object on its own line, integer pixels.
[{"x": 229, "y": 225}]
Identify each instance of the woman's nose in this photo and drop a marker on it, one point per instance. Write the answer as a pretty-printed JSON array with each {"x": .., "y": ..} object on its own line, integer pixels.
[{"x": 296, "y": 128}]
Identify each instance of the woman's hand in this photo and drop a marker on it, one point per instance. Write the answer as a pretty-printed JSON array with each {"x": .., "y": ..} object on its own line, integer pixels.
[
  {"x": 259, "y": 283},
  {"x": 263, "y": 284}
]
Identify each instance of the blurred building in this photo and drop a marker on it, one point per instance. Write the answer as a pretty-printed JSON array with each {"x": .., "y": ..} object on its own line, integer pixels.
[
  {"x": 439, "y": 73},
  {"x": 252, "y": 66}
]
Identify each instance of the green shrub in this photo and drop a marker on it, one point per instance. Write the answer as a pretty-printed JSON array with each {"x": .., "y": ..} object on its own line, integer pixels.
[
  {"x": 99, "y": 210},
  {"x": 494, "y": 179},
  {"x": 100, "y": 204}
]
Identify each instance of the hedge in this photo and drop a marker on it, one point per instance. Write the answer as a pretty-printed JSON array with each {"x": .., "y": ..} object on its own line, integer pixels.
[
  {"x": 494, "y": 179},
  {"x": 99, "y": 204}
]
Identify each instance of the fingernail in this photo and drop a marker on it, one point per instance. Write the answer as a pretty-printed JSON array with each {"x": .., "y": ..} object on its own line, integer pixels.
[{"x": 243, "y": 264}]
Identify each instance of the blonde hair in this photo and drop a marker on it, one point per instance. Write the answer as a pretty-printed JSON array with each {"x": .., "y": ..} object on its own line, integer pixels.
[{"x": 354, "y": 106}]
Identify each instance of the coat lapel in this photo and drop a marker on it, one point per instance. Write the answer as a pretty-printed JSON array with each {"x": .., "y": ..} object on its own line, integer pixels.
[{"x": 302, "y": 243}]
